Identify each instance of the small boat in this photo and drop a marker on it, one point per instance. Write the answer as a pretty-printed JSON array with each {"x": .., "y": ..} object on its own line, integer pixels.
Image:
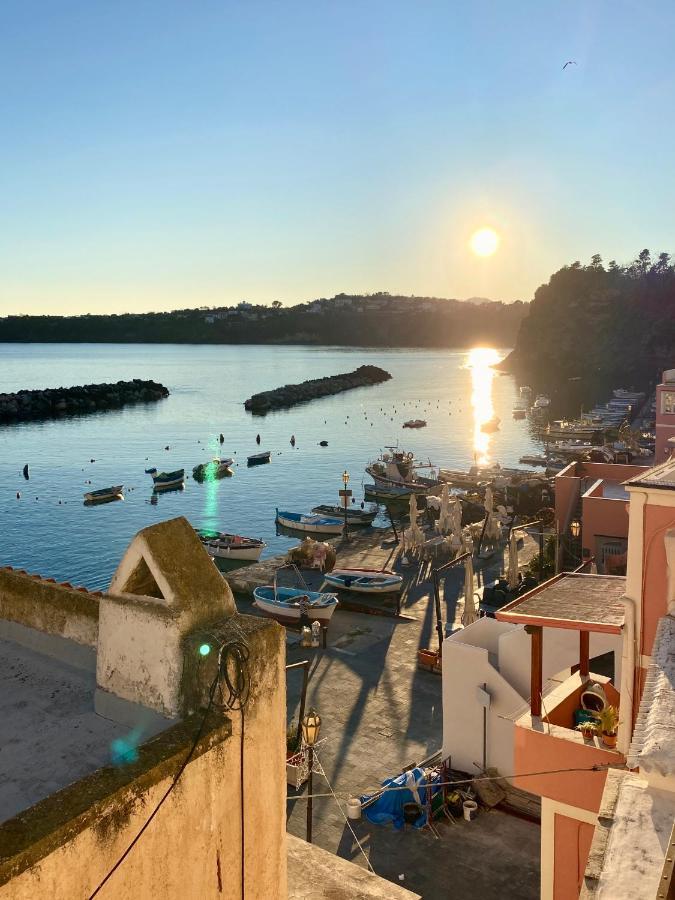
[
  {"x": 519, "y": 409},
  {"x": 364, "y": 581},
  {"x": 525, "y": 391},
  {"x": 257, "y": 458},
  {"x": 400, "y": 469},
  {"x": 490, "y": 425},
  {"x": 354, "y": 516},
  {"x": 164, "y": 480},
  {"x": 542, "y": 401},
  {"x": 392, "y": 492},
  {"x": 230, "y": 546},
  {"x": 415, "y": 423},
  {"x": 283, "y": 604},
  {"x": 308, "y": 522},
  {"x": 216, "y": 468},
  {"x": 105, "y": 495}
]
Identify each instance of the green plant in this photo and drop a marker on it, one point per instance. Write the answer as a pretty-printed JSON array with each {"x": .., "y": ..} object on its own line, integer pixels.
[
  {"x": 292, "y": 740},
  {"x": 609, "y": 720}
]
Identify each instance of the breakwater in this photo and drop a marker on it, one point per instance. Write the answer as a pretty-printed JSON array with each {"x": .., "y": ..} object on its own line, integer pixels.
[
  {"x": 88, "y": 398},
  {"x": 290, "y": 394}
]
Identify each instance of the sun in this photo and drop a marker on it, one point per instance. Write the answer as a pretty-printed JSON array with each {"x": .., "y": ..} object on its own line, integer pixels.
[{"x": 484, "y": 242}]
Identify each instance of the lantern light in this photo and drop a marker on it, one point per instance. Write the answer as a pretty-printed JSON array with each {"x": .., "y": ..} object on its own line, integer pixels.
[
  {"x": 575, "y": 528},
  {"x": 345, "y": 477},
  {"x": 311, "y": 726}
]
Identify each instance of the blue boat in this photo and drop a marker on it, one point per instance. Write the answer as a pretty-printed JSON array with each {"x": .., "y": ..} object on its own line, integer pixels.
[
  {"x": 164, "y": 480},
  {"x": 310, "y": 522},
  {"x": 283, "y": 604}
]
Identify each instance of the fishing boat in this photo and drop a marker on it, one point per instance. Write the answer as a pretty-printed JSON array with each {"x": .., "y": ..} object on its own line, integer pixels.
[
  {"x": 354, "y": 516},
  {"x": 519, "y": 409},
  {"x": 308, "y": 522},
  {"x": 400, "y": 469},
  {"x": 257, "y": 458},
  {"x": 162, "y": 481},
  {"x": 283, "y": 604},
  {"x": 230, "y": 546},
  {"x": 105, "y": 495},
  {"x": 542, "y": 402},
  {"x": 364, "y": 581},
  {"x": 415, "y": 423},
  {"x": 389, "y": 493},
  {"x": 491, "y": 425},
  {"x": 216, "y": 468},
  {"x": 525, "y": 391}
]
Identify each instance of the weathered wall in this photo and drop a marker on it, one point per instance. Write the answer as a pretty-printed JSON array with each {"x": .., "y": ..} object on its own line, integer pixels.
[
  {"x": 64, "y": 846},
  {"x": 49, "y": 607}
]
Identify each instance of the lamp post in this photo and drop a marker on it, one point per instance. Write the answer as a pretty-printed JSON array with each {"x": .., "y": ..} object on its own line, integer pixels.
[
  {"x": 311, "y": 726},
  {"x": 345, "y": 494},
  {"x": 575, "y": 528}
]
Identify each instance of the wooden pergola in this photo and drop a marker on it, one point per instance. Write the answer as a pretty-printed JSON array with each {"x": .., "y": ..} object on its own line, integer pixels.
[{"x": 583, "y": 603}]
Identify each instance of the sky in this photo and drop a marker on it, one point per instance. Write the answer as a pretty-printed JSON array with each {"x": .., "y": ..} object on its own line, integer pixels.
[{"x": 157, "y": 155}]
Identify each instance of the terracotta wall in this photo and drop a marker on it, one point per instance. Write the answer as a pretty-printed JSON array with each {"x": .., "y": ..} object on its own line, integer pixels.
[
  {"x": 657, "y": 521},
  {"x": 572, "y": 843}
]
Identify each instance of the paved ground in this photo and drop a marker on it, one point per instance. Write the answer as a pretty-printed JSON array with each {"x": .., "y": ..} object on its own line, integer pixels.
[{"x": 380, "y": 713}]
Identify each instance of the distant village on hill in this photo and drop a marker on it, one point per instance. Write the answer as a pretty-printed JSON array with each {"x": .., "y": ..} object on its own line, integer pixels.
[{"x": 379, "y": 319}]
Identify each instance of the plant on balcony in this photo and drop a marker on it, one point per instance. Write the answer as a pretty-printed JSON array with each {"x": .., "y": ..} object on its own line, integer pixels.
[
  {"x": 609, "y": 723},
  {"x": 588, "y": 729},
  {"x": 293, "y": 740}
]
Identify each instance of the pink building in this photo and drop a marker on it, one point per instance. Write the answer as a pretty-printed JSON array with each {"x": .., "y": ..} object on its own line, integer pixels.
[
  {"x": 594, "y": 494},
  {"x": 665, "y": 416},
  {"x": 570, "y": 772}
]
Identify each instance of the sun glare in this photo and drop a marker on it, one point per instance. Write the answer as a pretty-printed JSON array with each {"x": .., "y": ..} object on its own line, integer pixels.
[
  {"x": 480, "y": 362},
  {"x": 484, "y": 242}
]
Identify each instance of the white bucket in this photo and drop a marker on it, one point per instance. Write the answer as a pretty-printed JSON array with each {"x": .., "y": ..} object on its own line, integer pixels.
[
  {"x": 354, "y": 808},
  {"x": 470, "y": 809}
]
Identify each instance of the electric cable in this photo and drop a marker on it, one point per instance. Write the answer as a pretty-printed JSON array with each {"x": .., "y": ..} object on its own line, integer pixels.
[{"x": 232, "y": 653}]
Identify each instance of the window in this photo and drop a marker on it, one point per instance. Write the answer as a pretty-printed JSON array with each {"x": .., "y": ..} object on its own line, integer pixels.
[{"x": 668, "y": 402}]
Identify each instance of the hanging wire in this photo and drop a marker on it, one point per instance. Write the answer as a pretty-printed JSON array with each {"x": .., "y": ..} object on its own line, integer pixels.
[{"x": 231, "y": 654}]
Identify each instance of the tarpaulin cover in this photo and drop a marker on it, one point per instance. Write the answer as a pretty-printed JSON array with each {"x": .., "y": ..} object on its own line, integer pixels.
[{"x": 389, "y": 805}]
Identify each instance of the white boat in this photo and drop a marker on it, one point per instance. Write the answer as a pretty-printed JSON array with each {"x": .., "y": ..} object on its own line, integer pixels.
[
  {"x": 216, "y": 468},
  {"x": 283, "y": 604},
  {"x": 415, "y": 423},
  {"x": 400, "y": 469},
  {"x": 257, "y": 458},
  {"x": 519, "y": 409},
  {"x": 542, "y": 401},
  {"x": 105, "y": 495},
  {"x": 364, "y": 581},
  {"x": 310, "y": 522},
  {"x": 222, "y": 545},
  {"x": 354, "y": 516}
]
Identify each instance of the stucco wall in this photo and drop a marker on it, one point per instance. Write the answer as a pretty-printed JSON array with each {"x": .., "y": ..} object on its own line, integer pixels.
[
  {"x": 572, "y": 843},
  {"x": 658, "y": 520},
  {"x": 466, "y": 668}
]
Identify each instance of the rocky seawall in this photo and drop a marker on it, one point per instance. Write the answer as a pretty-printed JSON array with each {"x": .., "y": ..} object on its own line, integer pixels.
[
  {"x": 290, "y": 394},
  {"x": 87, "y": 398}
]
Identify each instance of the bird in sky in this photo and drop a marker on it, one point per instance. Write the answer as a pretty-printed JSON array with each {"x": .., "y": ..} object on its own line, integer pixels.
[{"x": 570, "y": 62}]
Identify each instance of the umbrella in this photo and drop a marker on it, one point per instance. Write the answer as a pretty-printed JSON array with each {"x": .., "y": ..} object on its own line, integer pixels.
[
  {"x": 513, "y": 561},
  {"x": 493, "y": 528},
  {"x": 469, "y": 614},
  {"x": 415, "y": 535},
  {"x": 444, "y": 525}
]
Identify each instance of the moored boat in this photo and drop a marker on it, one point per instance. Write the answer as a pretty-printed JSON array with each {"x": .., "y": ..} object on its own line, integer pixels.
[
  {"x": 284, "y": 604},
  {"x": 400, "y": 469},
  {"x": 415, "y": 423},
  {"x": 104, "y": 495},
  {"x": 364, "y": 581},
  {"x": 390, "y": 492},
  {"x": 519, "y": 409},
  {"x": 164, "y": 480},
  {"x": 354, "y": 516},
  {"x": 217, "y": 468},
  {"x": 491, "y": 425},
  {"x": 542, "y": 401},
  {"x": 310, "y": 522},
  {"x": 222, "y": 545},
  {"x": 257, "y": 458}
]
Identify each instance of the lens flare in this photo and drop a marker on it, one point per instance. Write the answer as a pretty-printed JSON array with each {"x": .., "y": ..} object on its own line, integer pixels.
[{"x": 484, "y": 242}]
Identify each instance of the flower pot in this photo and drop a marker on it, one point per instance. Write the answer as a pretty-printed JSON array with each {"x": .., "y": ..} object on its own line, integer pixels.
[
  {"x": 609, "y": 740},
  {"x": 297, "y": 769},
  {"x": 470, "y": 809},
  {"x": 588, "y": 733}
]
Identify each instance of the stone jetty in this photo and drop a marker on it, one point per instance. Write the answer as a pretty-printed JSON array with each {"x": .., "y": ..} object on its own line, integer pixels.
[
  {"x": 87, "y": 398},
  {"x": 290, "y": 394}
]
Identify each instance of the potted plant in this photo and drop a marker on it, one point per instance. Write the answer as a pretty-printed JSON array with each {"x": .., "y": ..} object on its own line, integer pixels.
[
  {"x": 588, "y": 729},
  {"x": 296, "y": 758},
  {"x": 609, "y": 722}
]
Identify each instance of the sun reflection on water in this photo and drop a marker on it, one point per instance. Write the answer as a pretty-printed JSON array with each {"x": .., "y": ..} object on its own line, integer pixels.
[{"x": 480, "y": 361}]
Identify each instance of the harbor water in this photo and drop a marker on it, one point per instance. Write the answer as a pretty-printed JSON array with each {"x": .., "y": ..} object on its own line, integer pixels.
[{"x": 48, "y": 530}]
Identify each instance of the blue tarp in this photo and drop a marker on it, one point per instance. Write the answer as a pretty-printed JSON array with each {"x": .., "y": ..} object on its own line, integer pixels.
[{"x": 389, "y": 805}]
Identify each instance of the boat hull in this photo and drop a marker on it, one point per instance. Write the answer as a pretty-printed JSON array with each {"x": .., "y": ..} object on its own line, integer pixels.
[
  {"x": 105, "y": 495},
  {"x": 259, "y": 459},
  {"x": 364, "y": 581},
  {"x": 354, "y": 517},
  {"x": 252, "y": 553},
  {"x": 311, "y": 524},
  {"x": 286, "y": 609}
]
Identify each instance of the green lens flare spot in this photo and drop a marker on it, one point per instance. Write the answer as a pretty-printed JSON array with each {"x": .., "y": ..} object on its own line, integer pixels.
[{"x": 204, "y": 649}]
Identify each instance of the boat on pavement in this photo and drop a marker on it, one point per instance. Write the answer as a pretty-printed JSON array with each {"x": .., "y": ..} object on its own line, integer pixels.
[
  {"x": 257, "y": 459},
  {"x": 354, "y": 516},
  {"x": 286, "y": 604},
  {"x": 310, "y": 522},
  {"x": 221, "y": 545},
  {"x": 364, "y": 581},
  {"x": 105, "y": 495}
]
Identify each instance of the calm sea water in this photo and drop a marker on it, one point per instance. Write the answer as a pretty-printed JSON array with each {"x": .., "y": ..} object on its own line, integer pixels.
[{"x": 49, "y": 530}]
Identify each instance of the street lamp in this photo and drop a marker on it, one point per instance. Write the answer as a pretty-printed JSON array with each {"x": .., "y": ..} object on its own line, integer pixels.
[
  {"x": 345, "y": 493},
  {"x": 575, "y": 528},
  {"x": 311, "y": 726}
]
